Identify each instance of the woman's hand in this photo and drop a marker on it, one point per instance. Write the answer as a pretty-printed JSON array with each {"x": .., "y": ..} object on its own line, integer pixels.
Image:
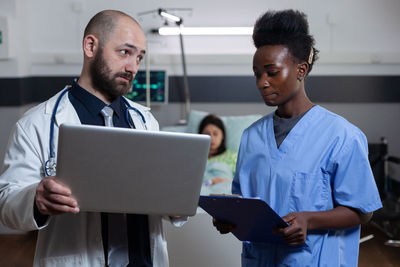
[
  {"x": 340, "y": 217},
  {"x": 296, "y": 232}
]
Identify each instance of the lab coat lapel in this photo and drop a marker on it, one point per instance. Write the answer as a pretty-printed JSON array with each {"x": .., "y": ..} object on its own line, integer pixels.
[
  {"x": 65, "y": 112},
  {"x": 137, "y": 120}
]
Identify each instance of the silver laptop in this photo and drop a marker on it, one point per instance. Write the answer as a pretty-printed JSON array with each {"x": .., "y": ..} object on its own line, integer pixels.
[{"x": 132, "y": 171}]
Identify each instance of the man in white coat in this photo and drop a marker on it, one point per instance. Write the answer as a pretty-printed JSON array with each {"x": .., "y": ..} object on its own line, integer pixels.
[{"x": 113, "y": 47}]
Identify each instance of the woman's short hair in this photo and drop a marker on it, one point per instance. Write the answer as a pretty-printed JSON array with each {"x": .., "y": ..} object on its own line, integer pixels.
[
  {"x": 289, "y": 28},
  {"x": 214, "y": 120}
]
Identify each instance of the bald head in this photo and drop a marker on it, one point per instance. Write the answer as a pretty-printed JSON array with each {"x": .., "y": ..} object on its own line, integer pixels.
[{"x": 104, "y": 23}]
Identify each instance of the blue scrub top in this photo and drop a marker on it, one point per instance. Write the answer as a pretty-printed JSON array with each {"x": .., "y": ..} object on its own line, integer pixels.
[{"x": 322, "y": 163}]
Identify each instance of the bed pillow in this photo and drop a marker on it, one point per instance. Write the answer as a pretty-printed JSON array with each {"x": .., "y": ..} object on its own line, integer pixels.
[
  {"x": 234, "y": 126},
  {"x": 195, "y": 117}
]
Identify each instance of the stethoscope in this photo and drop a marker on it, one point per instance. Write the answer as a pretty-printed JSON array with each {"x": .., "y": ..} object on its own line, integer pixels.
[{"x": 50, "y": 164}]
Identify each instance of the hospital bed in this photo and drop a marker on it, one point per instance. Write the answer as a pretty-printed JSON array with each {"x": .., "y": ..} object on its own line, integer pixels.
[{"x": 197, "y": 243}]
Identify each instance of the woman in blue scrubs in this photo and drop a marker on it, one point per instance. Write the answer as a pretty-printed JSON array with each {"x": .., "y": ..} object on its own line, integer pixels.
[{"x": 309, "y": 164}]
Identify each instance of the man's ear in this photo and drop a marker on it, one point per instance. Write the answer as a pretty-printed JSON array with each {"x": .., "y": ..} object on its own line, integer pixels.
[
  {"x": 90, "y": 45},
  {"x": 302, "y": 70}
]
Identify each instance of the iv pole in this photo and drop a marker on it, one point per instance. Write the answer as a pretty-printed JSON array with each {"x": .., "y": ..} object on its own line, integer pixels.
[
  {"x": 179, "y": 22},
  {"x": 185, "y": 78}
]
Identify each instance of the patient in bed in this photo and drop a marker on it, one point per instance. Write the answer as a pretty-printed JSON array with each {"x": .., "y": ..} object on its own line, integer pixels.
[{"x": 221, "y": 163}]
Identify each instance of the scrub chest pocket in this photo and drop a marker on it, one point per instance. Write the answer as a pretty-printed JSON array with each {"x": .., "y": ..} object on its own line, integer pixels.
[{"x": 310, "y": 192}]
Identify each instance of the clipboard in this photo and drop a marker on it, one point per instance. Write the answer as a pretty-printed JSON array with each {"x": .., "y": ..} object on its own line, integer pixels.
[{"x": 254, "y": 219}]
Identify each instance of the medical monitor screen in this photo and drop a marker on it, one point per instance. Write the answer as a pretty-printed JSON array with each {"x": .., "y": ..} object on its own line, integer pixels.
[{"x": 158, "y": 87}]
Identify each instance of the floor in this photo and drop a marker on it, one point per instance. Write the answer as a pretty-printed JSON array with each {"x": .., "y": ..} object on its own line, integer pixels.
[
  {"x": 18, "y": 250},
  {"x": 374, "y": 252}
]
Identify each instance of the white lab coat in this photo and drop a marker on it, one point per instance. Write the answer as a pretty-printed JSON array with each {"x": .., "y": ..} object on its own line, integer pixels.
[{"x": 68, "y": 239}]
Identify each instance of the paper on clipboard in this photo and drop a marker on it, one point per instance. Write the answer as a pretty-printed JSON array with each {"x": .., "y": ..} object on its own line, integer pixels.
[{"x": 254, "y": 219}]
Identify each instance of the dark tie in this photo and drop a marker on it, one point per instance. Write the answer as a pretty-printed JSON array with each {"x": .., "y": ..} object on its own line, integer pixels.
[{"x": 115, "y": 223}]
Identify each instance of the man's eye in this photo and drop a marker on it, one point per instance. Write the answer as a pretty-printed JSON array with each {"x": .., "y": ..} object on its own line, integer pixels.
[{"x": 124, "y": 52}]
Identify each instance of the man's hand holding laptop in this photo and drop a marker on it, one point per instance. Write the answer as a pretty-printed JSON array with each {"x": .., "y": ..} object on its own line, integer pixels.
[{"x": 54, "y": 198}]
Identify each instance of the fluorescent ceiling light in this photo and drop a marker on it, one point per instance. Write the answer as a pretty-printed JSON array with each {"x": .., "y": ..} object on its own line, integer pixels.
[{"x": 206, "y": 30}]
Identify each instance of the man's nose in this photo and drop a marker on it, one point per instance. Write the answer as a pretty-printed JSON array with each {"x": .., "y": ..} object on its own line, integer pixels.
[{"x": 132, "y": 66}]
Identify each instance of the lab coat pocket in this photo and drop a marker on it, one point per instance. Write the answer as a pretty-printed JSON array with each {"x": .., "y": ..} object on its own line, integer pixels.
[{"x": 309, "y": 192}]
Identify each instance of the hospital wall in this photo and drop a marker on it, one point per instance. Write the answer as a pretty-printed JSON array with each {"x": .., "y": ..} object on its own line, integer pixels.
[{"x": 357, "y": 39}]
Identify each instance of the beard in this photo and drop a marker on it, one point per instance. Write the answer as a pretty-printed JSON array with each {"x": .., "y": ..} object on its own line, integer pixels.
[{"x": 105, "y": 81}]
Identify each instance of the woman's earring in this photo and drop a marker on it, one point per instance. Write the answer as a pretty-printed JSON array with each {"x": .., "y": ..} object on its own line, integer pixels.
[{"x": 299, "y": 78}]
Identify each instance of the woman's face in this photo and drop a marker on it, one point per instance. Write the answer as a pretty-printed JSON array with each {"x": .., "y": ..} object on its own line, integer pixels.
[
  {"x": 216, "y": 136},
  {"x": 276, "y": 74}
]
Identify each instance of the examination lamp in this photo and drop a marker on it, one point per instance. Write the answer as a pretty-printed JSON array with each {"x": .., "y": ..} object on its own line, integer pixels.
[{"x": 163, "y": 13}]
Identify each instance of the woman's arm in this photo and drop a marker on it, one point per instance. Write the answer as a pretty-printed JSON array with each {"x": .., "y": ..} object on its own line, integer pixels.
[{"x": 340, "y": 217}]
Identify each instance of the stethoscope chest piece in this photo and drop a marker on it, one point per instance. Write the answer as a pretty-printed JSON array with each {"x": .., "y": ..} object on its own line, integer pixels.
[{"x": 50, "y": 167}]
